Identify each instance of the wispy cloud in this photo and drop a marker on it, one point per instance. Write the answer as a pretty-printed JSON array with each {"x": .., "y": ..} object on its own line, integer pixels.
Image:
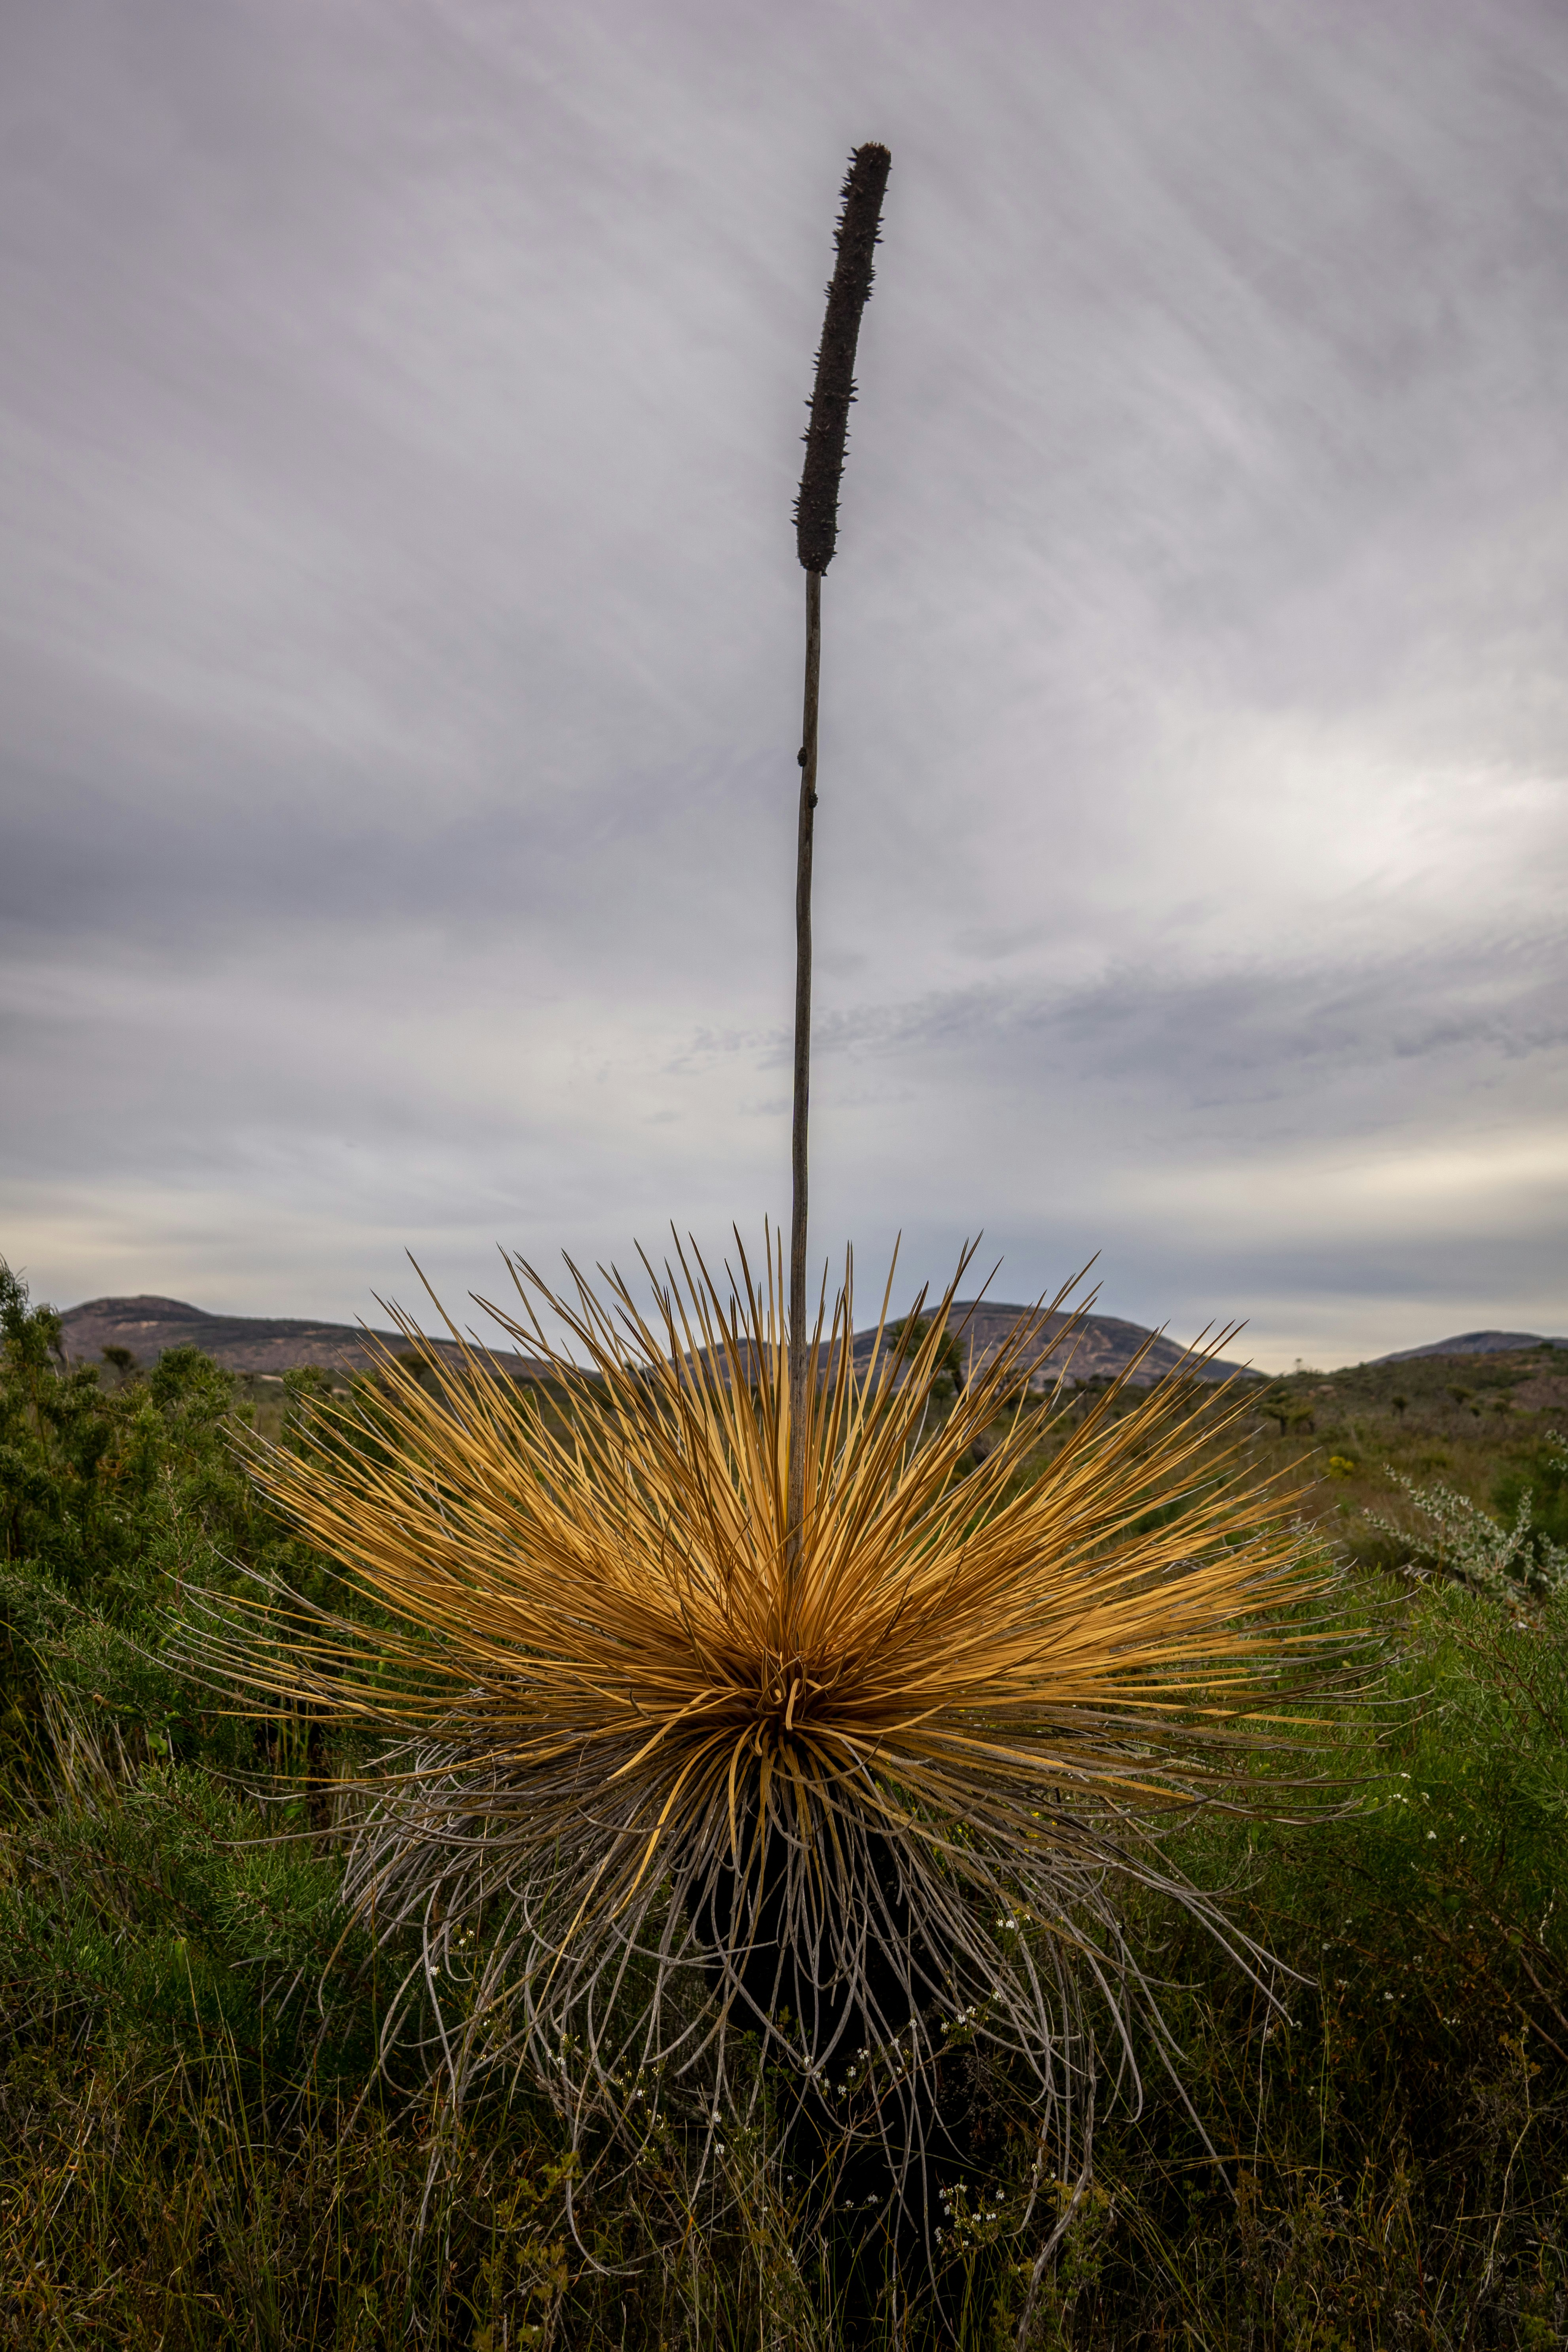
[{"x": 398, "y": 645}]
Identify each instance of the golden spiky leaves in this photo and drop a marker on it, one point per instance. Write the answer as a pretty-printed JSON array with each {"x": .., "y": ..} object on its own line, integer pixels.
[
  {"x": 605, "y": 1574},
  {"x": 632, "y": 1724}
]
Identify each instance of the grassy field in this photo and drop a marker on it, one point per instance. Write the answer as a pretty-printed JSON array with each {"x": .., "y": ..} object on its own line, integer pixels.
[{"x": 198, "y": 2148}]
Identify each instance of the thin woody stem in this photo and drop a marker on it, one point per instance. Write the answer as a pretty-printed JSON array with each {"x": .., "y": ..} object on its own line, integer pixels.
[{"x": 795, "y": 1509}]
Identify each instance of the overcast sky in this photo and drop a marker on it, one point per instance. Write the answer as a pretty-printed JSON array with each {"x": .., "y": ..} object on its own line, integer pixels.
[{"x": 400, "y": 639}]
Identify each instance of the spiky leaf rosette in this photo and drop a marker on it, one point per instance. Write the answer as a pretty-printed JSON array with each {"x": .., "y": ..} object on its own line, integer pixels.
[{"x": 670, "y": 1786}]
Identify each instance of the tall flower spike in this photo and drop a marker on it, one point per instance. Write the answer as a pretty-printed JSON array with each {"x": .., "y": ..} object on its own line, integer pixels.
[
  {"x": 816, "y": 529},
  {"x": 816, "y": 507}
]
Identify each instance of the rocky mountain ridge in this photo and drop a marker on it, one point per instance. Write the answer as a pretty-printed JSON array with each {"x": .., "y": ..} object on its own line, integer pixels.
[
  {"x": 1103, "y": 1345},
  {"x": 149, "y": 1325},
  {"x": 1473, "y": 1343}
]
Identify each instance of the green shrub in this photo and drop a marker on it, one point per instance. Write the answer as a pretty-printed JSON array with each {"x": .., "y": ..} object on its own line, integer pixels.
[
  {"x": 1391, "y": 2142},
  {"x": 1542, "y": 1477},
  {"x": 1459, "y": 1540}
]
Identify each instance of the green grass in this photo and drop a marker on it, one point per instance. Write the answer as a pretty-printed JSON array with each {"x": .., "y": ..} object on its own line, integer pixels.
[{"x": 197, "y": 2149}]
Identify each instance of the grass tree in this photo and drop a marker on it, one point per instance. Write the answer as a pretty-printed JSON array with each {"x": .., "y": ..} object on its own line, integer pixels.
[
  {"x": 612, "y": 1681},
  {"x": 717, "y": 1696}
]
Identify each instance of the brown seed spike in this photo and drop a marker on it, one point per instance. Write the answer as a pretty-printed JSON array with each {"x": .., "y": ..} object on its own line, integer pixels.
[{"x": 816, "y": 508}]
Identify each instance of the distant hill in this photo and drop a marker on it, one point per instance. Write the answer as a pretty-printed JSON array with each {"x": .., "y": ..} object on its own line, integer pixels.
[
  {"x": 1104, "y": 1346},
  {"x": 255, "y": 1343},
  {"x": 1445, "y": 1388},
  {"x": 1473, "y": 1343},
  {"x": 241, "y": 1343}
]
